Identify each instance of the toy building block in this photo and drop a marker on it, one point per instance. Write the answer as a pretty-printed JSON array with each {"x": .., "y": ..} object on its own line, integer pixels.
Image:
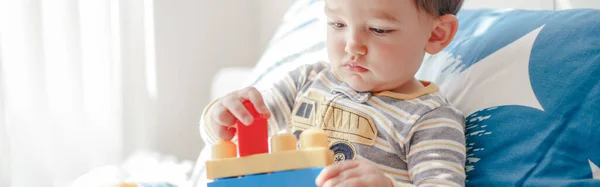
[
  {"x": 252, "y": 138},
  {"x": 314, "y": 153},
  {"x": 293, "y": 178}
]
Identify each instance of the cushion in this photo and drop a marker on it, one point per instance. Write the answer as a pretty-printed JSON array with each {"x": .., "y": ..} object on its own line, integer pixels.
[
  {"x": 299, "y": 40},
  {"x": 528, "y": 82}
]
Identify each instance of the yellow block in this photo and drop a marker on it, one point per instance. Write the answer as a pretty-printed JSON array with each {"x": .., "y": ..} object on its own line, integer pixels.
[{"x": 269, "y": 162}]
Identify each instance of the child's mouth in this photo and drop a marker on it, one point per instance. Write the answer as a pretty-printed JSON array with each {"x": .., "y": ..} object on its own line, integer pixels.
[{"x": 355, "y": 68}]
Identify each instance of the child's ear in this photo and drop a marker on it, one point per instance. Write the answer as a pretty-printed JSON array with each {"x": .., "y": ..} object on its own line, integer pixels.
[{"x": 443, "y": 32}]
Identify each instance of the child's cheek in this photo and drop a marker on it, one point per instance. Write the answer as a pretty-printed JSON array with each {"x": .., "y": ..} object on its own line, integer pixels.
[
  {"x": 383, "y": 53},
  {"x": 385, "y": 48},
  {"x": 335, "y": 48}
]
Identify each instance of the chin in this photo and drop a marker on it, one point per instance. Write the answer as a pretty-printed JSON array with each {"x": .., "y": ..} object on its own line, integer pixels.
[{"x": 357, "y": 83}]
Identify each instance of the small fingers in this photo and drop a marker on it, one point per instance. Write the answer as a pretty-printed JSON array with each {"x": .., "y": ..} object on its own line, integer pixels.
[
  {"x": 235, "y": 106},
  {"x": 352, "y": 182},
  {"x": 334, "y": 170},
  {"x": 221, "y": 116},
  {"x": 226, "y": 133},
  {"x": 222, "y": 122},
  {"x": 331, "y": 182},
  {"x": 256, "y": 99},
  {"x": 346, "y": 175}
]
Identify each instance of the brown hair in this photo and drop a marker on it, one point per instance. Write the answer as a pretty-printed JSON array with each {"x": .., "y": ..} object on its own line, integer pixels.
[{"x": 439, "y": 7}]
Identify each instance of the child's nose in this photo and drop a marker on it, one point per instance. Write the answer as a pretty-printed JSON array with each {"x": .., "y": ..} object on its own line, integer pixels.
[{"x": 355, "y": 44}]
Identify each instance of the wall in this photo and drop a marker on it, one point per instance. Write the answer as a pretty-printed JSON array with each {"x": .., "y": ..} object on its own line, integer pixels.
[
  {"x": 568, "y": 4},
  {"x": 195, "y": 38},
  {"x": 522, "y": 4},
  {"x": 533, "y": 4}
]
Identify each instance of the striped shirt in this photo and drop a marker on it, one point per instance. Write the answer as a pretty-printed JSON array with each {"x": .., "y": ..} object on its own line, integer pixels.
[{"x": 417, "y": 138}]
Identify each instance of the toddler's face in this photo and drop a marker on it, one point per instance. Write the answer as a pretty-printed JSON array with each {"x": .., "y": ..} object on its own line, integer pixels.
[{"x": 376, "y": 45}]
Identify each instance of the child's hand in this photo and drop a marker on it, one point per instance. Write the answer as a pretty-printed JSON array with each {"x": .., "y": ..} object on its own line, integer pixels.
[
  {"x": 352, "y": 173},
  {"x": 230, "y": 108}
]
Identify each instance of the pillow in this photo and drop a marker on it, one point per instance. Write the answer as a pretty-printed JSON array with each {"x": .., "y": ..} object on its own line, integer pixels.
[
  {"x": 299, "y": 40},
  {"x": 529, "y": 82}
]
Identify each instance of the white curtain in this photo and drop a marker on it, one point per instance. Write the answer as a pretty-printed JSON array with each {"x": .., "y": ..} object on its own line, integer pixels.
[{"x": 60, "y": 90}]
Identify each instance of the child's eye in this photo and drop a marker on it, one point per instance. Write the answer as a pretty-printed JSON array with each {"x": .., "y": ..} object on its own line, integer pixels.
[
  {"x": 336, "y": 25},
  {"x": 381, "y": 31}
]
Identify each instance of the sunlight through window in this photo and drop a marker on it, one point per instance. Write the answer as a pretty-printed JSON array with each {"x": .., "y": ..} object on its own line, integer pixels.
[{"x": 150, "y": 48}]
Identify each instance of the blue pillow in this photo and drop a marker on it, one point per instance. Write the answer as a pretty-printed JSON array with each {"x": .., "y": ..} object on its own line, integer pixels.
[{"x": 529, "y": 82}]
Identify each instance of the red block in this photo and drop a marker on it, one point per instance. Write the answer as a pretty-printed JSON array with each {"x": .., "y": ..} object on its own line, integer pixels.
[{"x": 253, "y": 139}]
